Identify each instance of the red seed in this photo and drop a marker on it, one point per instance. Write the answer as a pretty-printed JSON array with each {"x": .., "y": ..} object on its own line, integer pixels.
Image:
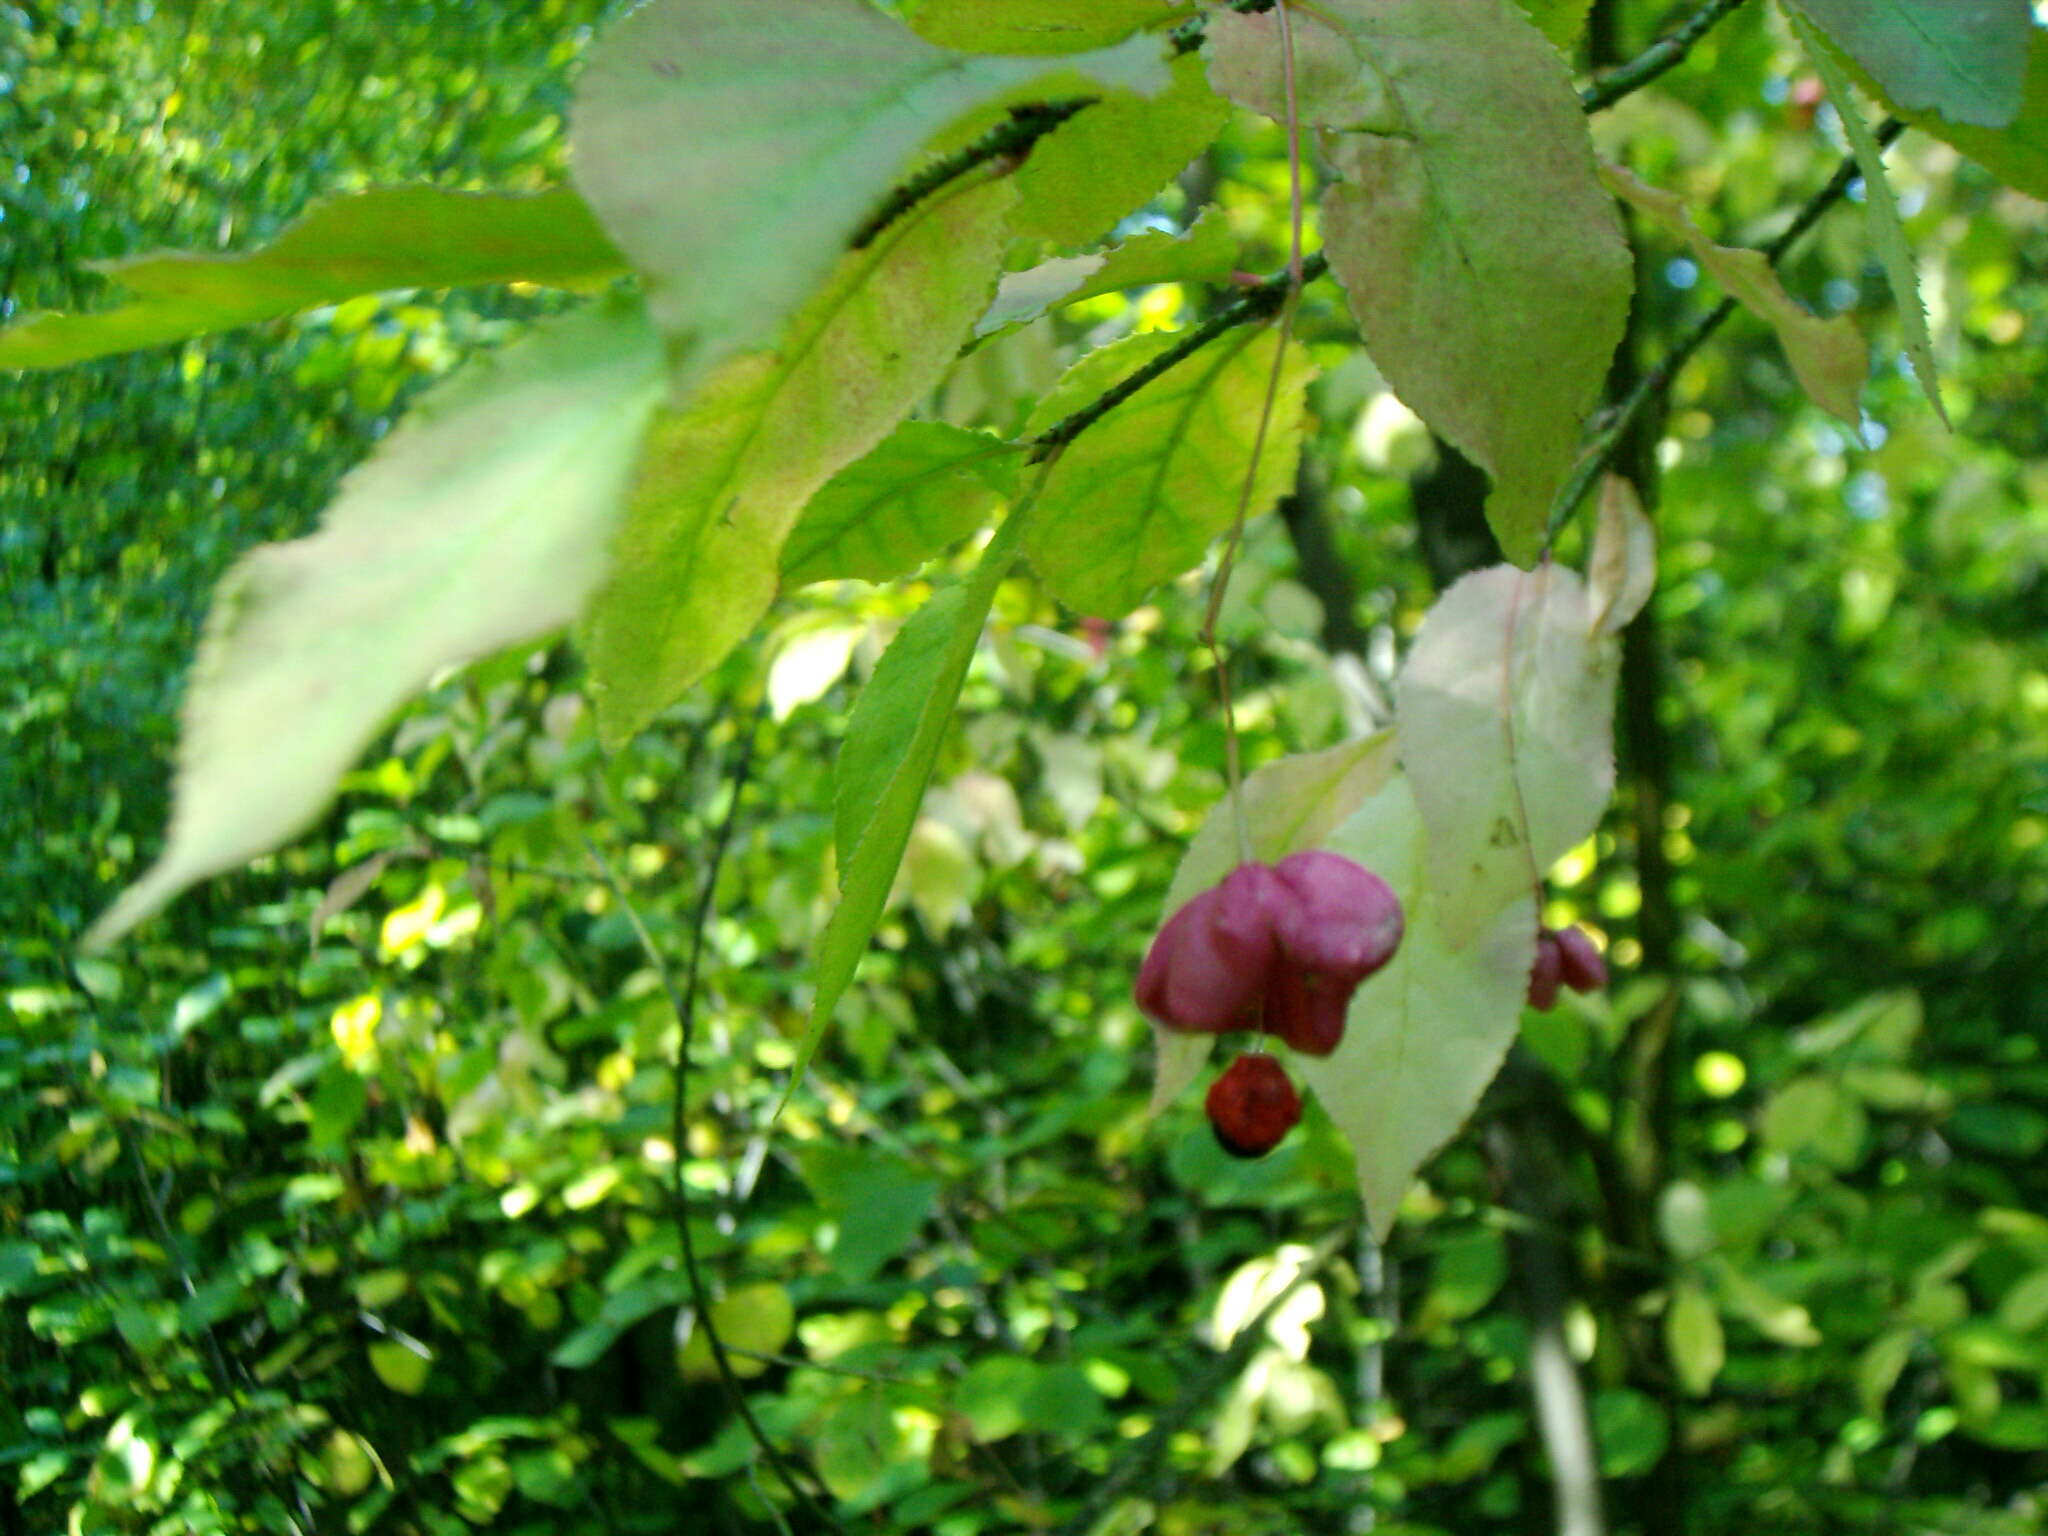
[{"x": 1252, "y": 1105}]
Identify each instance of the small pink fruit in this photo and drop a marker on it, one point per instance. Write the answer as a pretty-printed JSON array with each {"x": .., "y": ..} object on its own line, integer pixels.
[
  {"x": 1252, "y": 1105},
  {"x": 1546, "y": 973},
  {"x": 1207, "y": 969},
  {"x": 1580, "y": 963}
]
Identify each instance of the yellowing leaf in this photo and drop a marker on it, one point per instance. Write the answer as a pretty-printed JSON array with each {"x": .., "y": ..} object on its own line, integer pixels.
[
  {"x": 1965, "y": 59},
  {"x": 408, "y": 926},
  {"x": 921, "y": 488},
  {"x": 1828, "y": 357},
  {"x": 735, "y": 212},
  {"x": 1139, "y": 495},
  {"x": 1484, "y": 263},
  {"x": 1506, "y": 725},
  {"x": 363, "y": 242},
  {"x": 723, "y": 480},
  {"x": 481, "y": 521},
  {"x": 1035, "y": 26},
  {"x": 1623, "y": 571},
  {"x": 1112, "y": 157},
  {"x": 1290, "y": 804},
  {"x": 354, "y": 1027},
  {"x": 1207, "y": 253},
  {"x": 1425, "y": 1034},
  {"x": 808, "y": 663},
  {"x": 1887, "y": 233}
]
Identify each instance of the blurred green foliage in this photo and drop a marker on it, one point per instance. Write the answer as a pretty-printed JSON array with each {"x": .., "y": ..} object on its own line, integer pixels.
[{"x": 338, "y": 1200}]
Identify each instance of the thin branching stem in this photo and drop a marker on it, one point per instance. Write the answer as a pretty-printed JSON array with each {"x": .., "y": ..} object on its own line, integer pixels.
[
  {"x": 682, "y": 999},
  {"x": 1594, "y": 462},
  {"x": 1666, "y": 53}
]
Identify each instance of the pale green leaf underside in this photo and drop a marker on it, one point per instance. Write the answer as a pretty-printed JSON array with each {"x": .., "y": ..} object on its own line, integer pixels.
[
  {"x": 732, "y": 149},
  {"x": 1139, "y": 495},
  {"x": 1206, "y": 253},
  {"x": 892, "y": 742},
  {"x": 364, "y": 242},
  {"x": 722, "y": 481},
  {"x": 1036, "y": 26},
  {"x": 1426, "y": 1034},
  {"x": 481, "y": 521},
  {"x": 921, "y": 488},
  {"x": 1483, "y": 260},
  {"x": 1965, "y": 59},
  {"x": 1887, "y": 232},
  {"x": 1289, "y": 805},
  {"x": 1828, "y": 357},
  {"x": 1114, "y": 156},
  {"x": 1506, "y": 729},
  {"x": 2017, "y": 154}
]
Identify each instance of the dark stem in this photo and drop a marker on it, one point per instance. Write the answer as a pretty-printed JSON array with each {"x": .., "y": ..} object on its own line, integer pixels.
[
  {"x": 1256, "y": 304},
  {"x": 1652, "y": 386},
  {"x": 1026, "y": 126},
  {"x": 1666, "y": 53}
]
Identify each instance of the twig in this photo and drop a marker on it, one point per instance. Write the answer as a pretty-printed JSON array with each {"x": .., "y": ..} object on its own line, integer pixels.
[
  {"x": 1256, "y": 304},
  {"x": 1665, "y": 53},
  {"x": 1593, "y": 463},
  {"x": 683, "y": 1002},
  {"x": 1026, "y": 126}
]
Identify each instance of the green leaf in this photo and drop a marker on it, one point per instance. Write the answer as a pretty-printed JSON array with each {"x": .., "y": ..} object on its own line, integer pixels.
[
  {"x": 1426, "y": 1033},
  {"x": 1887, "y": 233},
  {"x": 724, "y": 478},
  {"x": 1290, "y": 804},
  {"x": 364, "y": 242},
  {"x": 1779, "y": 1320},
  {"x": 1137, "y": 497},
  {"x": 2016, "y": 154},
  {"x": 619, "y": 1311},
  {"x": 1112, "y": 157},
  {"x": 1815, "y": 1115},
  {"x": 1879, "y": 1367},
  {"x": 1506, "y": 725},
  {"x": 480, "y": 522},
  {"x": 1207, "y": 253},
  {"x": 1965, "y": 59},
  {"x": 401, "y": 1367},
  {"x": 923, "y": 487},
  {"x": 879, "y": 1203},
  {"x": 1693, "y": 1338},
  {"x": 1828, "y": 357},
  {"x": 733, "y": 147},
  {"x": 1631, "y": 1431},
  {"x": 751, "y": 1321},
  {"x": 1559, "y": 20},
  {"x": 1485, "y": 264},
  {"x": 1036, "y": 26},
  {"x": 891, "y": 744}
]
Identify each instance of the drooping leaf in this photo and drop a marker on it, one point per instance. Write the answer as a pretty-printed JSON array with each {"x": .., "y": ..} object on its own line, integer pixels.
[
  {"x": 2018, "y": 153},
  {"x": 735, "y": 212},
  {"x": 1623, "y": 570},
  {"x": 1289, "y": 805},
  {"x": 1484, "y": 262},
  {"x": 1207, "y": 253},
  {"x": 922, "y": 487},
  {"x": 1828, "y": 357},
  {"x": 723, "y": 480},
  {"x": 1506, "y": 730},
  {"x": 886, "y": 763},
  {"x": 1138, "y": 496},
  {"x": 1110, "y": 158},
  {"x": 363, "y": 242},
  {"x": 1887, "y": 232},
  {"x": 1964, "y": 59},
  {"x": 481, "y": 521},
  {"x": 1036, "y": 26},
  {"x": 1426, "y": 1034}
]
